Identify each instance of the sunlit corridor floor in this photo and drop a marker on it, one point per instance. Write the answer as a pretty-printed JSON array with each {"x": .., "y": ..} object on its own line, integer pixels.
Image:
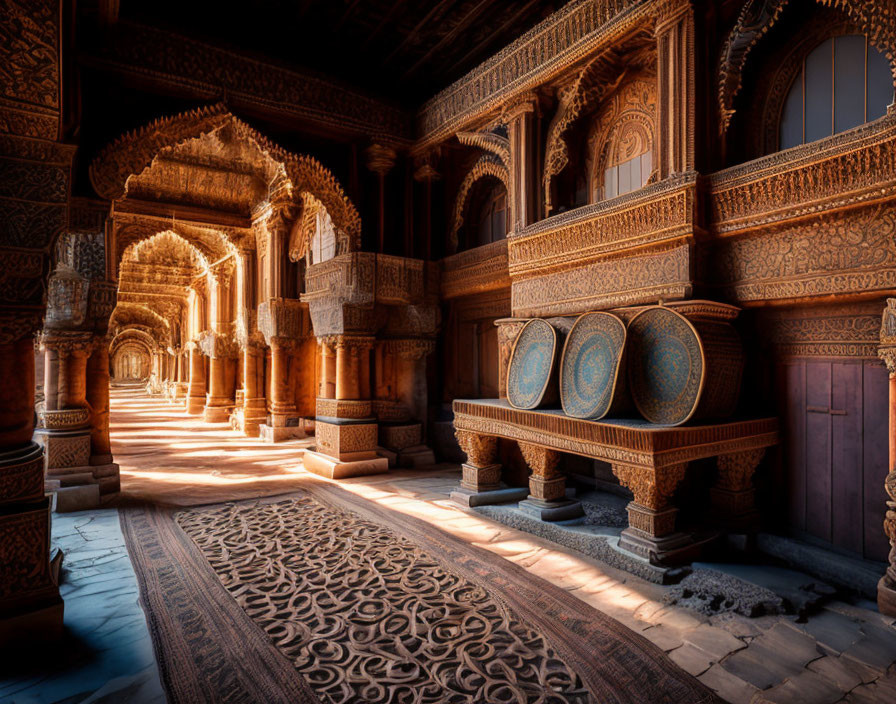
[{"x": 845, "y": 652}]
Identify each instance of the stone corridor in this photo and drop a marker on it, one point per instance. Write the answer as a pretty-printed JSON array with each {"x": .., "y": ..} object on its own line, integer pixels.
[{"x": 843, "y": 652}]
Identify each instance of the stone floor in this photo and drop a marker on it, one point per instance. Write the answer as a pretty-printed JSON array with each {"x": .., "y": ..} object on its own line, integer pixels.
[{"x": 844, "y": 652}]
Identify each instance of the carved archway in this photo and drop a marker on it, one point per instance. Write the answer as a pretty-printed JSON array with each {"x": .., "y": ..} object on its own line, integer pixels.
[
  {"x": 488, "y": 165},
  {"x": 593, "y": 83},
  {"x": 877, "y": 20},
  {"x": 134, "y": 152}
]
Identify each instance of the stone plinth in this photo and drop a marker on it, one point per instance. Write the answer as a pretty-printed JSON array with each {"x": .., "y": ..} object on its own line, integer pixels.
[
  {"x": 329, "y": 467},
  {"x": 406, "y": 441},
  {"x": 345, "y": 448}
]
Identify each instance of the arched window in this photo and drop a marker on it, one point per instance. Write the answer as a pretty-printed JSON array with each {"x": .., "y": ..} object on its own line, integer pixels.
[
  {"x": 492, "y": 225},
  {"x": 842, "y": 83}
]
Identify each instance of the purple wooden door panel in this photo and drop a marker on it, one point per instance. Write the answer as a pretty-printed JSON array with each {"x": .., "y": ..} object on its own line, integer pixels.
[
  {"x": 818, "y": 449},
  {"x": 795, "y": 442},
  {"x": 846, "y": 456},
  {"x": 876, "y": 409}
]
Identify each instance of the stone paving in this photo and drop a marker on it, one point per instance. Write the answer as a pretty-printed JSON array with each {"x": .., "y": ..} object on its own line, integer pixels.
[{"x": 845, "y": 652}]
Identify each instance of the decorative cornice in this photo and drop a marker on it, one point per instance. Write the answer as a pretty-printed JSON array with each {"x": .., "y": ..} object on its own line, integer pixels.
[{"x": 475, "y": 270}]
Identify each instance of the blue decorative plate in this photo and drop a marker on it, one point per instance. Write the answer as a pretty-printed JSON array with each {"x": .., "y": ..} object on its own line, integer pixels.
[
  {"x": 531, "y": 367},
  {"x": 590, "y": 368},
  {"x": 666, "y": 365}
]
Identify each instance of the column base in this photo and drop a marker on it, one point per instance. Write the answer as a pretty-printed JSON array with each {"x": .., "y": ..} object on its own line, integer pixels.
[
  {"x": 270, "y": 433},
  {"x": 33, "y": 610},
  {"x": 488, "y": 497},
  {"x": 195, "y": 405},
  {"x": 64, "y": 448},
  {"x": 216, "y": 414},
  {"x": 886, "y": 597},
  {"x": 673, "y": 549},
  {"x": 734, "y": 511},
  {"x": 556, "y": 510},
  {"x": 333, "y": 468}
]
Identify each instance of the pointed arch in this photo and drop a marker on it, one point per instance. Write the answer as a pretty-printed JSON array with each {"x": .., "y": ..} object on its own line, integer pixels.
[{"x": 488, "y": 165}]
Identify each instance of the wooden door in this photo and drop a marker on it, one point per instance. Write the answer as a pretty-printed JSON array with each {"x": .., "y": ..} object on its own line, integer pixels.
[{"x": 835, "y": 452}]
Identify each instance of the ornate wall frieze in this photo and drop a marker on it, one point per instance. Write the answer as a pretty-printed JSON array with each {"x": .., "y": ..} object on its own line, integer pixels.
[
  {"x": 663, "y": 274},
  {"x": 824, "y": 331},
  {"x": 853, "y": 252}
]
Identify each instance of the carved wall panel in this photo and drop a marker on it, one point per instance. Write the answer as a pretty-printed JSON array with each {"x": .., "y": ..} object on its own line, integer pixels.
[
  {"x": 475, "y": 271},
  {"x": 850, "y": 252},
  {"x": 824, "y": 331},
  {"x": 660, "y": 275}
]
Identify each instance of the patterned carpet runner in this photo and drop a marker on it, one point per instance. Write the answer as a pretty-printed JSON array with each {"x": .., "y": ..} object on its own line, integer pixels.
[{"x": 326, "y": 601}]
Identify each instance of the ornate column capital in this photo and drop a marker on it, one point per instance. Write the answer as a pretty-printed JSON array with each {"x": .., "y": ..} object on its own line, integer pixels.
[
  {"x": 66, "y": 342},
  {"x": 541, "y": 460},
  {"x": 652, "y": 487},
  {"x": 380, "y": 158},
  {"x": 481, "y": 450}
]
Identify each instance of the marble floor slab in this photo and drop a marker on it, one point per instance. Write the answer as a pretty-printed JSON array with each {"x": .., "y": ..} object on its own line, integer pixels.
[{"x": 106, "y": 653}]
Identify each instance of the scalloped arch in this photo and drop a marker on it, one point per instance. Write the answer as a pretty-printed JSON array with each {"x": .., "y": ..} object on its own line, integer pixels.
[
  {"x": 135, "y": 151},
  {"x": 877, "y": 20},
  {"x": 488, "y": 165}
]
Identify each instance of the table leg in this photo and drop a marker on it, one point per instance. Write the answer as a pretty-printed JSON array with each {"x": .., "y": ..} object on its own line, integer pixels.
[
  {"x": 481, "y": 481},
  {"x": 651, "y": 516},
  {"x": 733, "y": 495},
  {"x": 547, "y": 486}
]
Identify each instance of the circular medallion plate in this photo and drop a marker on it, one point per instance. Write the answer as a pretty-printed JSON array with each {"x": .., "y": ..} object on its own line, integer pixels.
[
  {"x": 666, "y": 365},
  {"x": 590, "y": 366},
  {"x": 531, "y": 364}
]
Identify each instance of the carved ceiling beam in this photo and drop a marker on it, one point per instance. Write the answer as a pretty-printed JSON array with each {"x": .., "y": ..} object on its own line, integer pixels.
[{"x": 150, "y": 52}]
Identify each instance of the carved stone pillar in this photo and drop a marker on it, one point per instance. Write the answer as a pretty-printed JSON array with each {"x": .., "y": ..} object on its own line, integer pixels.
[
  {"x": 523, "y": 195},
  {"x": 30, "y": 606},
  {"x": 65, "y": 430},
  {"x": 328, "y": 370},
  {"x": 651, "y": 516},
  {"x": 426, "y": 174},
  {"x": 733, "y": 495},
  {"x": 98, "y": 400},
  {"x": 886, "y": 588},
  {"x": 346, "y": 370},
  {"x": 254, "y": 407},
  {"x": 380, "y": 160},
  {"x": 196, "y": 390},
  {"x": 547, "y": 486},
  {"x": 676, "y": 95},
  {"x": 282, "y": 406}
]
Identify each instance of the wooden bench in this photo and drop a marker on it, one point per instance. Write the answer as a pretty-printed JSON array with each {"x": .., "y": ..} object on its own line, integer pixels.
[{"x": 650, "y": 460}]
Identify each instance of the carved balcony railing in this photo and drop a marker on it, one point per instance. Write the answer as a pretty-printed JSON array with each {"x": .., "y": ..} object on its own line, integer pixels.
[
  {"x": 849, "y": 169},
  {"x": 814, "y": 221},
  {"x": 576, "y": 30},
  {"x": 475, "y": 271},
  {"x": 636, "y": 248}
]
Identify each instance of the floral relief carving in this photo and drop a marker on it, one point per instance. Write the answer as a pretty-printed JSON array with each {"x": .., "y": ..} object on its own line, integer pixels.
[
  {"x": 481, "y": 450},
  {"x": 736, "y": 470},
  {"x": 652, "y": 487}
]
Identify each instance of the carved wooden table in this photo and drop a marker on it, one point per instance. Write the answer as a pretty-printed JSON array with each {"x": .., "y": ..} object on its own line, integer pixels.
[{"x": 650, "y": 460}]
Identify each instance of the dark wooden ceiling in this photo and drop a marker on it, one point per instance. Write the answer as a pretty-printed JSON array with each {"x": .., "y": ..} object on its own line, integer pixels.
[{"x": 406, "y": 50}]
